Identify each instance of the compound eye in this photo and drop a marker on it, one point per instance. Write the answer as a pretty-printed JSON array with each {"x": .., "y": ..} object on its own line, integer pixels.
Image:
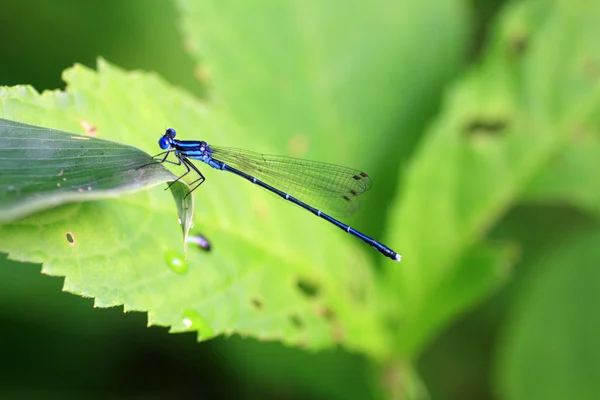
[
  {"x": 170, "y": 133},
  {"x": 164, "y": 143}
]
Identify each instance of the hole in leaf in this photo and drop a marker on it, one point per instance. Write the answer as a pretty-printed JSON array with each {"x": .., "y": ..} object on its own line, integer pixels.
[
  {"x": 257, "y": 303},
  {"x": 307, "y": 288},
  {"x": 296, "y": 321},
  {"x": 490, "y": 127},
  {"x": 70, "y": 238}
]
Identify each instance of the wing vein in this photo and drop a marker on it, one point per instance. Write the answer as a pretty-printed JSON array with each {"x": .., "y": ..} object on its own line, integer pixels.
[{"x": 328, "y": 187}]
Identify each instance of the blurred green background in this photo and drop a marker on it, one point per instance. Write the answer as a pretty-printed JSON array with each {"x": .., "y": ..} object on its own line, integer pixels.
[{"x": 55, "y": 344}]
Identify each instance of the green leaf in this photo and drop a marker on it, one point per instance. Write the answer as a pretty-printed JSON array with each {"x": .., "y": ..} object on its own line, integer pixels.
[
  {"x": 127, "y": 250},
  {"x": 333, "y": 81},
  {"x": 324, "y": 71},
  {"x": 41, "y": 168},
  {"x": 549, "y": 349},
  {"x": 346, "y": 82},
  {"x": 185, "y": 208},
  {"x": 501, "y": 126},
  {"x": 573, "y": 176},
  {"x": 477, "y": 275}
]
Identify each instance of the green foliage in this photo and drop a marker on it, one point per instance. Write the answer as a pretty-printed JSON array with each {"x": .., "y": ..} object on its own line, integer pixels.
[
  {"x": 44, "y": 168},
  {"x": 244, "y": 289},
  {"x": 326, "y": 77},
  {"x": 550, "y": 347},
  {"x": 126, "y": 262},
  {"x": 352, "y": 85},
  {"x": 308, "y": 77},
  {"x": 500, "y": 129}
]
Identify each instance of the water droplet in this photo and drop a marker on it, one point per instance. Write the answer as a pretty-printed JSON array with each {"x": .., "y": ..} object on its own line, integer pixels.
[
  {"x": 176, "y": 262},
  {"x": 57, "y": 184},
  {"x": 193, "y": 321},
  {"x": 64, "y": 179},
  {"x": 70, "y": 238}
]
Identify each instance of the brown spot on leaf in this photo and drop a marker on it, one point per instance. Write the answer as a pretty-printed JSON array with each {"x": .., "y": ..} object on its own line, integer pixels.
[
  {"x": 257, "y": 303},
  {"x": 70, "y": 238}
]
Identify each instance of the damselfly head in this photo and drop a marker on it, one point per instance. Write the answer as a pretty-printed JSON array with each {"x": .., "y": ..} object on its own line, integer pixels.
[
  {"x": 165, "y": 141},
  {"x": 170, "y": 133}
]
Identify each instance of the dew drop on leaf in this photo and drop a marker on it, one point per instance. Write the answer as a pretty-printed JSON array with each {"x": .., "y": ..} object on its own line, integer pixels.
[
  {"x": 176, "y": 262},
  {"x": 195, "y": 322}
]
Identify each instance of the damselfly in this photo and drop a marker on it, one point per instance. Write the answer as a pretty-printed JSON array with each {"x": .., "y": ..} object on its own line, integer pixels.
[{"x": 326, "y": 187}]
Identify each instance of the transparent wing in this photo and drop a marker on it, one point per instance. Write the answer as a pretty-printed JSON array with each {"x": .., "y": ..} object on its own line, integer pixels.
[{"x": 327, "y": 187}]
